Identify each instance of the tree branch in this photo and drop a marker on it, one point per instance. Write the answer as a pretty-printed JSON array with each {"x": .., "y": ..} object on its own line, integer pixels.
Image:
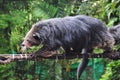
[{"x": 6, "y": 58}]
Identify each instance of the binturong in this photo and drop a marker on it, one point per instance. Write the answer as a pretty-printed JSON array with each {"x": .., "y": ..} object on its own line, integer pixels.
[
  {"x": 115, "y": 32},
  {"x": 75, "y": 34}
]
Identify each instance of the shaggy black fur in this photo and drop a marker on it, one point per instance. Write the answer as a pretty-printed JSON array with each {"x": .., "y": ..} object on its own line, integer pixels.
[
  {"x": 81, "y": 33},
  {"x": 115, "y": 31},
  {"x": 72, "y": 32}
]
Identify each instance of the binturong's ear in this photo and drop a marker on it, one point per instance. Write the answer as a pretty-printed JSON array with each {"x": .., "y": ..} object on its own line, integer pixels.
[{"x": 36, "y": 36}]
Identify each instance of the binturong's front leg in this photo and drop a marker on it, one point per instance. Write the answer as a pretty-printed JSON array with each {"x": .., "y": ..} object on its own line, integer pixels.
[{"x": 44, "y": 52}]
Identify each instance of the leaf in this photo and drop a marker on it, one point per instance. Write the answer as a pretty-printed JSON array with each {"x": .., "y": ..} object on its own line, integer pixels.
[
  {"x": 97, "y": 50},
  {"x": 3, "y": 24},
  {"x": 67, "y": 67}
]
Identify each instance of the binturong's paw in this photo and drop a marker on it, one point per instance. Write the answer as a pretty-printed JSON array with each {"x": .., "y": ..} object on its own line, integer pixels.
[{"x": 48, "y": 53}]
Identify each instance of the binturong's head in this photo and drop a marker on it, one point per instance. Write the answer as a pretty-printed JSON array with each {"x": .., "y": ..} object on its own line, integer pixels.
[
  {"x": 115, "y": 32},
  {"x": 32, "y": 38}
]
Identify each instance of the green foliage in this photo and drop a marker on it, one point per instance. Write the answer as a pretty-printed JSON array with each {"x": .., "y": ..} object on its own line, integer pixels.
[
  {"x": 6, "y": 71},
  {"x": 112, "y": 10},
  {"x": 16, "y": 18},
  {"x": 111, "y": 71},
  {"x": 4, "y": 24},
  {"x": 4, "y": 19},
  {"x": 3, "y": 43},
  {"x": 18, "y": 22},
  {"x": 116, "y": 47},
  {"x": 97, "y": 50}
]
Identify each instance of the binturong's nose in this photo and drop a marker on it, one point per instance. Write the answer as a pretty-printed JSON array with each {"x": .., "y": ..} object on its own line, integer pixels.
[{"x": 23, "y": 47}]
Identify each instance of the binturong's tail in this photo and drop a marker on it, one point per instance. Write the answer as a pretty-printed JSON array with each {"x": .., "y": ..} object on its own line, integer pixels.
[{"x": 82, "y": 66}]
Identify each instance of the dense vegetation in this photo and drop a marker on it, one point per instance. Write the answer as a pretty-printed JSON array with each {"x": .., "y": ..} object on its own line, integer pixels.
[{"x": 16, "y": 18}]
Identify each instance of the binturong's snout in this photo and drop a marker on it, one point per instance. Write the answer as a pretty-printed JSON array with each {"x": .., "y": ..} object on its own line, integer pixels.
[{"x": 24, "y": 46}]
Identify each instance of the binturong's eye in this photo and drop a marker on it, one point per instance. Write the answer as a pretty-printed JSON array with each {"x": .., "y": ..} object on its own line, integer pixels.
[{"x": 36, "y": 36}]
